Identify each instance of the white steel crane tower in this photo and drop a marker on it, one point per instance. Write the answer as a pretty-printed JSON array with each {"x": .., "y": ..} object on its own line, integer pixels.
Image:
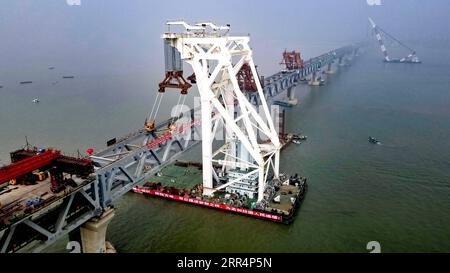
[{"x": 251, "y": 149}]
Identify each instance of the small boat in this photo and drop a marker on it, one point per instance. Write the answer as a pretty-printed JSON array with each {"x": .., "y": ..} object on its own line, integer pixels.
[
  {"x": 300, "y": 137},
  {"x": 68, "y": 77},
  {"x": 26, "y": 82},
  {"x": 283, "y": 103},
  {"x": 374, "y": 140},
  {"x": 51, "y": 68},
  {"x": 35, "y": 101},
  {"x": 296, "y": 141}
]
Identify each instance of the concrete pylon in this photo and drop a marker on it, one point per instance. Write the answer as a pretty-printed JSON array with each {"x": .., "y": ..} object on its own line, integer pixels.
[
  {"x": 329, "y": 69},
  {"x": 291, "y": 96},
  {"x": 341, "y": 61},
  {"x": 93, "y": 233},
  {"x": 316, "y": 80}
]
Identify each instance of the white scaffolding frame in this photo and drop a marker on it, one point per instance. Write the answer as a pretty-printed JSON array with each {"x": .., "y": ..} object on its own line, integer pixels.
[{"x": 216, "y": 58}]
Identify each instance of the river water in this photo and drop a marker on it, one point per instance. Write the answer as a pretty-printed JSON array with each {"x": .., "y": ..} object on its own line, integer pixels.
[{"x": 396, "y": 193}]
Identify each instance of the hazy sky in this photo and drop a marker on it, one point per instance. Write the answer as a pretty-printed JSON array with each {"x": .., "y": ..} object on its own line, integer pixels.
[{"x": 109, "y": 36}]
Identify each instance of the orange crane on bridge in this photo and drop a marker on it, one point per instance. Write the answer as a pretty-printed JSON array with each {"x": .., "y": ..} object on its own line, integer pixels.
[
  {"x": 27, "y": 165},
  {"x": 292, "y": 60}
]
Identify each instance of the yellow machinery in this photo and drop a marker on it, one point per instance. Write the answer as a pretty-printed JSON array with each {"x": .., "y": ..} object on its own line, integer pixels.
[
  {"x": 41, "y": 176},
  {"x": 149, "y": 126}
]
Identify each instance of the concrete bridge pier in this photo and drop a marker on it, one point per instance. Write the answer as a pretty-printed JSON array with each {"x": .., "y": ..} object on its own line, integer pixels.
[
  {"x": 316, "y": 78},
  {"x": 93, "y": 234},
  {"x": 341, "y": 61},
  {"x": 329, "y": 69},
  {"x": 350, "y": 57},
  {"x": 291, "y": 96}
]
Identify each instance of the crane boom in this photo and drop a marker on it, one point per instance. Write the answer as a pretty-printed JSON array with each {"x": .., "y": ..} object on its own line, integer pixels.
[
  {"x": 380, "y": 40},
  {"x": 410, "y": 58}
]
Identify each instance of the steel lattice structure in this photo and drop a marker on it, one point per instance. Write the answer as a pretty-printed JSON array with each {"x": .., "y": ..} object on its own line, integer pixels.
[{"x": 216, "y": 59}]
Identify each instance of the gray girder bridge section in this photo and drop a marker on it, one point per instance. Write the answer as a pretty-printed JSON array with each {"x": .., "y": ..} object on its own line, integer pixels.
[
  {"x": 282, "y": 81},
  {"x": 125, "y": 164},
  {"x": 118, "y": 169}
]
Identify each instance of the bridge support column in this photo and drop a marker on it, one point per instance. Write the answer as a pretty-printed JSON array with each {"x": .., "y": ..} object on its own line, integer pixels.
[
  {"x": 350, "y": 57},
  {"x": 329, "y": 69},
  {"x": 341, "y": 61},
  {"x": 291, "y": 96},
  {"x": 290, "y": 93},
  {"x": 316, "y": 80},
  {"x": 93, "y": 233}
]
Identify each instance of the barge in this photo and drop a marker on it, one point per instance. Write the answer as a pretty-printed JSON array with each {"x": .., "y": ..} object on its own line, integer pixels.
[{"x": 181, "y": 182}]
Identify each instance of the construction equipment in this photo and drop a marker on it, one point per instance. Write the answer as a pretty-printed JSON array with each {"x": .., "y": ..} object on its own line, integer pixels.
[
  {"x": 174, "y": 71},
  {"x": 27, "y": 165},
  {"x": 245, "y": 79},
  {"x": 243, "y": 157},
  {"x": 25, "y": 162},
  {"x": 40, "y": 176},
  {"x": 292, "y": 60},
  {"x": 82, "y": 167},
  {"x": 56, "y": 180},
  {"x": 410, "y": 58},
  {"x": 149, "y": 126}
]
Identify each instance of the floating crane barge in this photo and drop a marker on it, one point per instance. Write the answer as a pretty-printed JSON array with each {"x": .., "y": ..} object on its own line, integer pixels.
[
  {"x": 411, "y": 58},
  {"x": 181, "y": 182},
  {"x": 240, "y": 172}
]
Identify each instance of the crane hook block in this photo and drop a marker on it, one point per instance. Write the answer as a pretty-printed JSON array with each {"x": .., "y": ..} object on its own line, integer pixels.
[{"x": 174, "y": 70}]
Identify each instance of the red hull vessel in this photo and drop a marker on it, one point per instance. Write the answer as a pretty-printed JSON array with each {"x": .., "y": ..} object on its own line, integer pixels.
[{"x": 209, "y": 204}]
